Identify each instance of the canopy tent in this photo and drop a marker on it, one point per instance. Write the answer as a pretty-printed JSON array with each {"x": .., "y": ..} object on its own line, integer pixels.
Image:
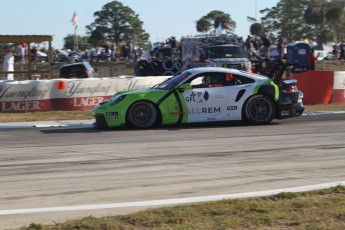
[{"x": 30, "y": 39}]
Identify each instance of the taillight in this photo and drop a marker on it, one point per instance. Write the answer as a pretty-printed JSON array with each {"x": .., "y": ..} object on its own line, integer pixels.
[{"x": 291, "y": 89}]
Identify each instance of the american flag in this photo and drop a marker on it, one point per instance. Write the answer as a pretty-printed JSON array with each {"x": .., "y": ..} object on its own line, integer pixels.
[{"x": 74, "y": 19}]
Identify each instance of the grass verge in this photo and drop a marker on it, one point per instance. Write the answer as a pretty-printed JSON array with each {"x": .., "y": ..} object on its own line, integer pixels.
[{"x": 322, "y": 209}]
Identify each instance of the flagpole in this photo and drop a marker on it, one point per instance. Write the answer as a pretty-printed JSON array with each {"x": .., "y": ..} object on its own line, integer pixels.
[
  {"x": 75, "y": 23},
  {"x": 75, "y": 47}
]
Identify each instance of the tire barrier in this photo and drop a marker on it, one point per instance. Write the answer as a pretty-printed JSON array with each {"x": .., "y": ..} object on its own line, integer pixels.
[
  {"x": 157, "y": 67},
  {"x": 157, "y": 73},
  {"x": 168, "y": 73},
  {"x": 142, "y": 68},
  {"x": 168, "y": 64},
  {"x": 178, "y": 72},
  {"x": 178, "y": 65}
]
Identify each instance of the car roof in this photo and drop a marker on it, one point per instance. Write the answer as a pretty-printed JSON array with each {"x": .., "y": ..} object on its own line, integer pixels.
[
  {"x": 76, "y": 63},
  {"x": 227, "y": 70}
]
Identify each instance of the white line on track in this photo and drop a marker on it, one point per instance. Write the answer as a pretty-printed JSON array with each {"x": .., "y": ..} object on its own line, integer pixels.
[{"x": 177, "y": 201}]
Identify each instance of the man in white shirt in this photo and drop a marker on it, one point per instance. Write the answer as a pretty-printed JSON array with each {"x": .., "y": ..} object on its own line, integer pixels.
[{"x": 8, "y": 63}]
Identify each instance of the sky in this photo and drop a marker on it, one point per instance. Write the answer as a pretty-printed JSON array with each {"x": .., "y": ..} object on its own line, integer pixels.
[{"x": 161, "y": 18}]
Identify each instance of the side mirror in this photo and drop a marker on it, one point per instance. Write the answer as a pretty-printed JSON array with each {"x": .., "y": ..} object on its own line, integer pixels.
[{"x": 184, "y": 87}]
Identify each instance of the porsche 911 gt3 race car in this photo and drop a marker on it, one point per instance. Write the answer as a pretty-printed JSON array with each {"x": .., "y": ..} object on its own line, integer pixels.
[{"x": 206, "y": 94}]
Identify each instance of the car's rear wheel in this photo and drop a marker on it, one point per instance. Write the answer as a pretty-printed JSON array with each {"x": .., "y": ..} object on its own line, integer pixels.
[
  {"x": 259, "y": 109},
  {"x": 142, "y": 115}
]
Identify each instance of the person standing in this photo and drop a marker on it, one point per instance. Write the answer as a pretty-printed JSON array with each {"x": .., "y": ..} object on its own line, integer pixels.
[
  {"x": 312, "y": 59},
  {"x": 8, "y": 63},
  {"x": 266, "y": 42}
]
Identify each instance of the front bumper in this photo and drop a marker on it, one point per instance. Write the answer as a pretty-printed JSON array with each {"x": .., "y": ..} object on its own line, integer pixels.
[{"x": 100, "y": 122}]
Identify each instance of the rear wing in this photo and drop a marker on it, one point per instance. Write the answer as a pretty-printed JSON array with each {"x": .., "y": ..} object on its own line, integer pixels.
[{"x": 279, "y": 69}]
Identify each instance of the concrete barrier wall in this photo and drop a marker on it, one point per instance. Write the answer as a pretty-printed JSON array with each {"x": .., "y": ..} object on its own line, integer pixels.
[
  {"x": 321, "y": 87},
  {"x": 317, "y": 86},
  {"x": 339, "y": 87},
  {"x": 66, "y": 94}
]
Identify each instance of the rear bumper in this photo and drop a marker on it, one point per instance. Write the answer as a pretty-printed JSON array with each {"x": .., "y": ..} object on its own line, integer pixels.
[{"x": 290, "y": 105}]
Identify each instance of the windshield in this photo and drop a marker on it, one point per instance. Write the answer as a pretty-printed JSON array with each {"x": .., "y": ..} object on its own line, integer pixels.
[
  {"x": 226, "y": 52},
  {"x": 172, "y": 82}
]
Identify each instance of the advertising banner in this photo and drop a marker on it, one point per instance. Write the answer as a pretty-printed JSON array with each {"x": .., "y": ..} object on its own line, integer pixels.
[{"x": 66, "y": 94}]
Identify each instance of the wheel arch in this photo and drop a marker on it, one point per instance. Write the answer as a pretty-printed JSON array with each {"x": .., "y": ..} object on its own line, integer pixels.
[{"x": 270, "y": 90}]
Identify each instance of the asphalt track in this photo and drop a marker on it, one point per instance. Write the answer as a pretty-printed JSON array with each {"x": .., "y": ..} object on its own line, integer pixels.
[{"x": 53, "y": 174}]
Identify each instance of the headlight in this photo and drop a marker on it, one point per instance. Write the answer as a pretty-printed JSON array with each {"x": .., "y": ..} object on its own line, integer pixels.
[{"x": 118, "y": 99}]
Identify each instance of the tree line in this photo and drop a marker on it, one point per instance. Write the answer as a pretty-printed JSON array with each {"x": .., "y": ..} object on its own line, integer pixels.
[{"x": 319, "y": 20}]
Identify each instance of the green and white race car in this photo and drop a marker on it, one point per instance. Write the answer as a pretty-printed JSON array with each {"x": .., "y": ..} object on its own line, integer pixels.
[{"x": 206, "y": 94}]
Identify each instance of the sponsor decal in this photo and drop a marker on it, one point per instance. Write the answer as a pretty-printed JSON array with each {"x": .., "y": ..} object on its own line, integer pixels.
[
  {"x": 61, "y": 85},
  {"x": 285, "y": 112},
  {"x": 112, "y": 115},
  {"x": 75, "y": 88},
  {"x": 86, "y": 101},
  {"x": 231, "y": 108},
  {"x": 20, "y": 106},
  {"x": 208, "y": 110},
  {"x": 198, "y": 97},
  {"x": 34, "y": 92}
]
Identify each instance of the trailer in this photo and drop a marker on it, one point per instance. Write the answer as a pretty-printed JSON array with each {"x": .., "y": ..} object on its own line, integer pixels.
[{"x": 221, "y": 51}]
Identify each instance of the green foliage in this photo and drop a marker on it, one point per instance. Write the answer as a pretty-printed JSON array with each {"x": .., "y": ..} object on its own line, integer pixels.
[
  {"x": 82, "y": 42},
  {"x": 203, "y": 25},
  {"x": 257, "y": 29},
  {"x": 215, "y": 18},
  {"x": 320, "y": 20},
  {"x": 116, "y": 23},
  {"x": 286, "y": 18}
]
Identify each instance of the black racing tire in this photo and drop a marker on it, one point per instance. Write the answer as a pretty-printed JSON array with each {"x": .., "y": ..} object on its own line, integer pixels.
[
  {"x": 142, "y": 68},
  {"x": 142, "y": 115},
  {"x": 178, "y": 72},
  {"x": 259, "y": 109},
  {"x": 168, "y": 64},
  {"x": 178, "y": 65},
  {"x": 157, "y": 73},
  {"x": 156, "y": 65}
]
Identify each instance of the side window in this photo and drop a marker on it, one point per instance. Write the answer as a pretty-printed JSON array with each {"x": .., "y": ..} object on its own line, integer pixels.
[
  {"x": 197, "y": 82},
  {"x": 218, "y": 79},
  {"x": 241, "y": 80},
  {"x": 207, "y": 80}
]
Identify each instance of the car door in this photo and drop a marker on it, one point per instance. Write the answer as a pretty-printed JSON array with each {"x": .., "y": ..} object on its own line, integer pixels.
[{"x": 207, "y": 99}]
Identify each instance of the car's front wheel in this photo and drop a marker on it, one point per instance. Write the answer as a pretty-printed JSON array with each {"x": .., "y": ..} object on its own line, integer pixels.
[
  {"x": 142, "y": 115},
  {"x": 259, "y": 109}
]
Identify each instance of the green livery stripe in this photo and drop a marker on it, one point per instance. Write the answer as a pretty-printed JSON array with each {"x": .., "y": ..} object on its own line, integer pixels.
[
  {"x": 268, "y": 82},
  {"x": 178, "y": 100}
]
